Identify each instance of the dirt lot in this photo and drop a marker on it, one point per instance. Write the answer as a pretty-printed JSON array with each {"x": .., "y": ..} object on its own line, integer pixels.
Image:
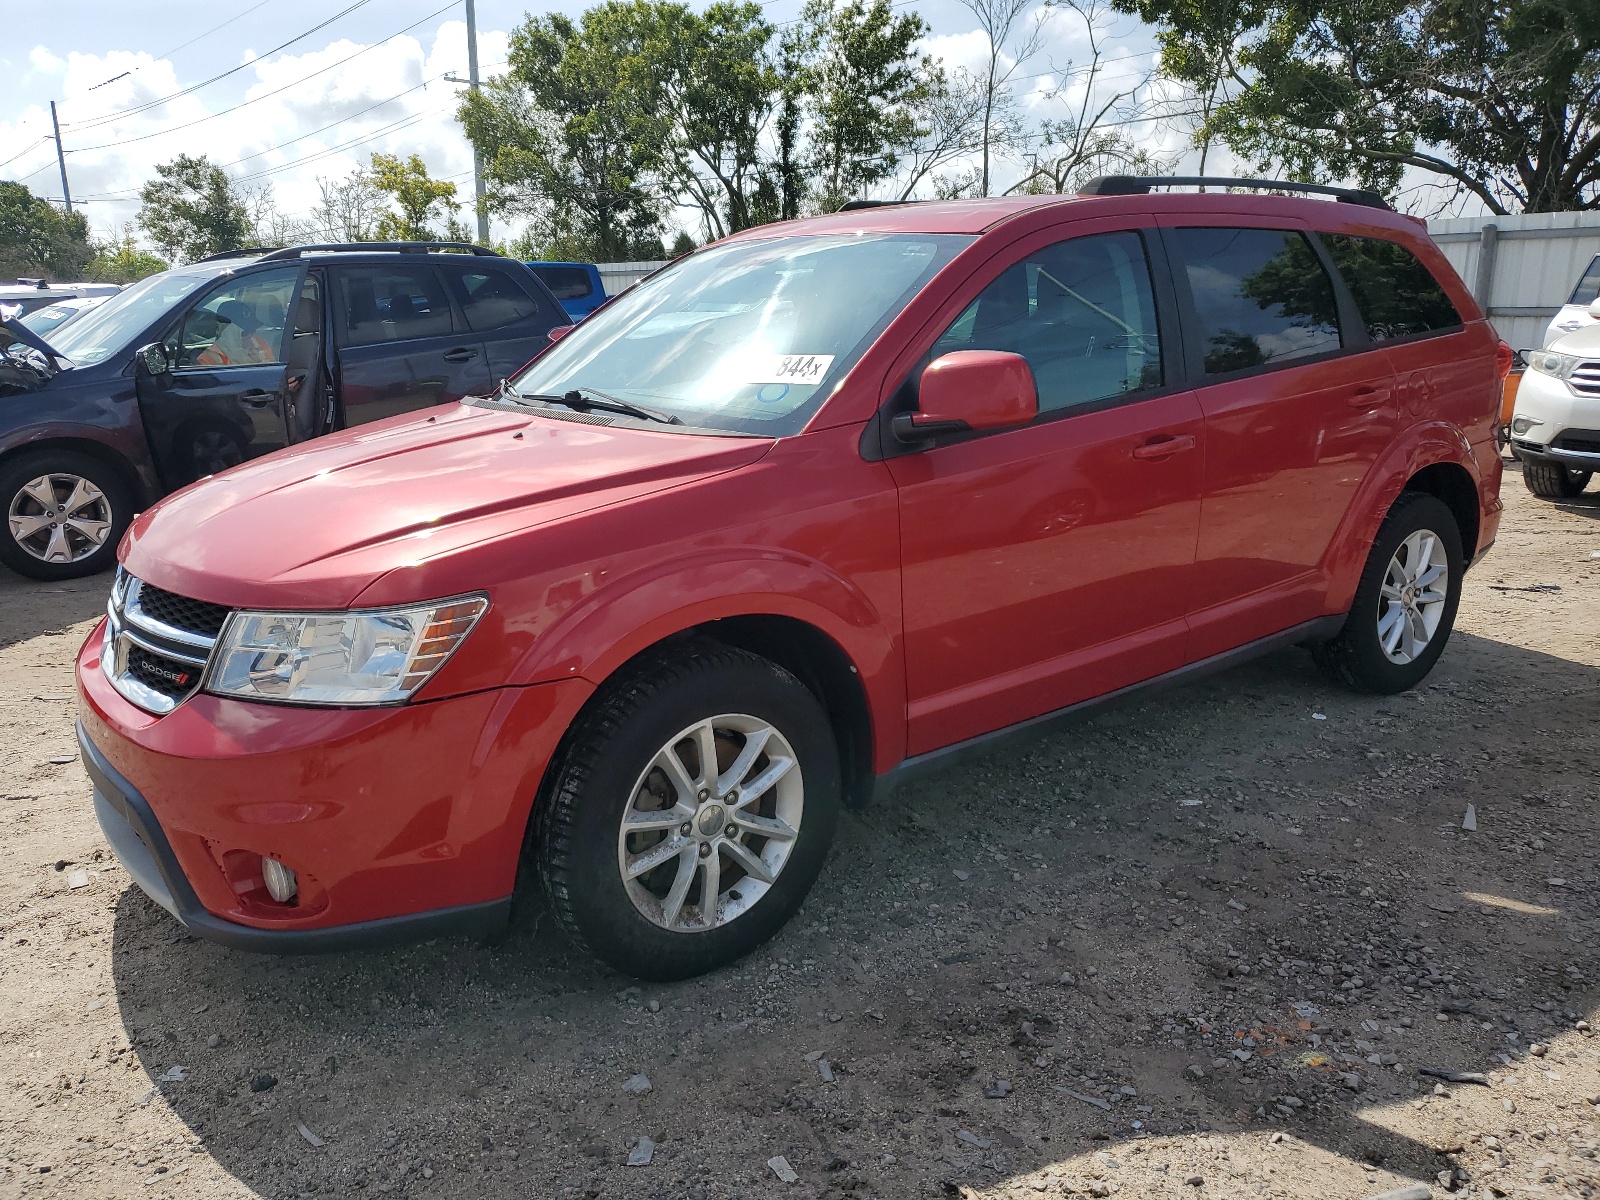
[{"x": 1196, "y": 948}]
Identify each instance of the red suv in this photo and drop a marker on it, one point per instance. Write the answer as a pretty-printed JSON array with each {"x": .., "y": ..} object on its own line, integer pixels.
[{"x": 818, "y": 507}]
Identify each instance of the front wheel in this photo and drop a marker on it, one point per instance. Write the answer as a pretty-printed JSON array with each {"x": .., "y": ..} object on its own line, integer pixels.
[
  {"x": 1553, "y": 480},
  {"x": 689, "y": 812},
  {"x": 1405, "y": 604},
  {"x": 65, "y": 513}
]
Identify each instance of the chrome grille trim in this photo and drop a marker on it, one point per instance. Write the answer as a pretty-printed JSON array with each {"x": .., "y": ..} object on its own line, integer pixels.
[
  {"x": 130, "y": 627},
  {"x": 1585, "y": 378}
]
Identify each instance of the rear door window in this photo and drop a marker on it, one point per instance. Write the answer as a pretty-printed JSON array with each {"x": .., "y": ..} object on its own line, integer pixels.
[
  {"x": 1397, "y": 295},
  {"x": 492, "y": 299},
  {"x": 565, "y": 283},
  {"x": 1081, "y": 312},
  {"x": 392, "y": 303},
  {"x": 1261, "y": 297}
]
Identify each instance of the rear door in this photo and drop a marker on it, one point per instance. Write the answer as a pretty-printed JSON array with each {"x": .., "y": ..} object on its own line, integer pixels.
[
  {"x": 1298, "y": 406},
  {"x": 223, "y": 400},
  {"x": 401, "y": 343},
  {"x": 504, "y": 311}
]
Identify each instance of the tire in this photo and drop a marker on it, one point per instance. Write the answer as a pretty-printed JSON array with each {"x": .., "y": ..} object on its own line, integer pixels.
[
  {"x": 1554, "y": 481},
  {"x": 84, "y": 545},
  {"x": 611, "y": 767},
  {"x": 1358, "y": 656}
]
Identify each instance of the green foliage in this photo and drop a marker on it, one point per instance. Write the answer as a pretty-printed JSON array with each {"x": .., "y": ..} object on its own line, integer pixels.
[
  {"x": 681, "y": 245},
  {"x": 419, "y": 198},
  {"x": 1500, "y": 98},
  {"x": 122, "y": 261},
  {"x": 191, "y": 209},
  {"x": 37, "y": 239}
]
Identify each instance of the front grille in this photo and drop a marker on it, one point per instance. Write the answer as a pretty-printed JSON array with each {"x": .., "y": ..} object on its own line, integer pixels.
[
  {"x": 157, "y": 643},
  {"x": 1585, "y": 379},
  {"x": 1585, "y": 441},
  {"x": 180, "y": 612}
]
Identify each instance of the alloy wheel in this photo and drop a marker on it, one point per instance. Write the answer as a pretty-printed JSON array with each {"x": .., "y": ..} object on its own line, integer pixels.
[
  {"x": 1412, "y": 599},
  {"x": 60, "y": 518},
  {"x": 710, "y": 824}
]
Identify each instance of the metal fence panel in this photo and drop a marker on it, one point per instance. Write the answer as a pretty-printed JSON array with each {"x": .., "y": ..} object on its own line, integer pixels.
[{"x": 618, "y": 276}]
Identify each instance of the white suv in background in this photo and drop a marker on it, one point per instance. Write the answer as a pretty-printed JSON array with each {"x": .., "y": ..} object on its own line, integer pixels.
[
  {"x": 1555, "y": 428},
  {"x": 1579, "y": 312}
]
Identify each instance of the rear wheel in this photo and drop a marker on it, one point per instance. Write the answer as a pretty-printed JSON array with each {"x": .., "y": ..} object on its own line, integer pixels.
[
  {"x": 65, "y": 513},
  {"x": 1554, "y": 481},
  {"x": 689, "y": 813},
  {"x": 1405, "y": 604}
]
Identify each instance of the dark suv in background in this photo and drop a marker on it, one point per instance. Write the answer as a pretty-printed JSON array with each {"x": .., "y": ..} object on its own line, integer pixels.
[{"x": 196, "y": 369}]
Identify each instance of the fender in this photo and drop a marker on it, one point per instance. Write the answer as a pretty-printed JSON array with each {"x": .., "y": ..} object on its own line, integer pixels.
[
  {"x": 629, "y": 615},
  {"x": 131, "y": 453},
  {"x": 1420, "y": 446}
]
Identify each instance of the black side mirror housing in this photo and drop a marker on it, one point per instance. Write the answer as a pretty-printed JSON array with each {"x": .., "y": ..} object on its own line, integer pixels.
[{"x": 152, "y": 359}]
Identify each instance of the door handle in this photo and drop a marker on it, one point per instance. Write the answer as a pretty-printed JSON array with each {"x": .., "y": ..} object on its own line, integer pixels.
[
  {"x": 460, "y": 354},
  {"x": 257, "y": 397},
  {"x": 1368, "y": 397},
  {"x": 1165, "y": 446}
]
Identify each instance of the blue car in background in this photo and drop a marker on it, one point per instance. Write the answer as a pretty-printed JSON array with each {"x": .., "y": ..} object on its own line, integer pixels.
[{"x": 576, "y": 285}]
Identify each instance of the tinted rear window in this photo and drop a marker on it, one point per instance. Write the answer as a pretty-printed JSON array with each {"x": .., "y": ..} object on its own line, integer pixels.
[
  {"x": 1588, "y": 289},
  {"x": 492, "y": 299},
  {"x": 386, "y": 304},
  {"x": 1396, "y": 294},
  {"x": 1261, "y": 297},
  {"x": 568, "y": 283}
]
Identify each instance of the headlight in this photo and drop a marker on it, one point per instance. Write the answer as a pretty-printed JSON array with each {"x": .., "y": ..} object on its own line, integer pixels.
[
  {"x": 376, "y": 656},
  {"x": 1548, "y": 362}
]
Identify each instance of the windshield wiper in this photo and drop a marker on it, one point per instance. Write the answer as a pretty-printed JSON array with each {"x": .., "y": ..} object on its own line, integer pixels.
[{"x": 578, "y": 401}]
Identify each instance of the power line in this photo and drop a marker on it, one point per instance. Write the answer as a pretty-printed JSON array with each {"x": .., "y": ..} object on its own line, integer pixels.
[
  {"x": 268, "y": 95},
  {"x": 106, "y": 119},
  {"x": 392, "y": 127},
  {"x": 186, "y": 45},
  {"x": 25, "y": 150},
  {"x": 331, "y": 124}
]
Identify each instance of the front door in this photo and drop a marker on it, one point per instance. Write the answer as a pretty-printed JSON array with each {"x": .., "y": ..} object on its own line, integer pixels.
[
  {"x": 1046, "y": 565},
  {"x": 1298, "y": 407},
  {"x": 223, "y": 400},
  {"x": 402, "y": 345}
]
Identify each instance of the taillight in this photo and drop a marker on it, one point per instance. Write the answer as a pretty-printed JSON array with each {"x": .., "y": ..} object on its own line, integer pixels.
[{"x": 1504, "y": 358}]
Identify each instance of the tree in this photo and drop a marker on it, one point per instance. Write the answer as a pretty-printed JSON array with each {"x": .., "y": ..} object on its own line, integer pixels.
[
  {"x": 683, "y": 244},
  {"x": 350, "y": 207},
  {"x": 1010, "y": 41},
  {"x": 36, "y": 239},
  {"x": 121, "y": 261},
  {"x": 572, "y": 136},
  {"x": 959, "y": 117},
  {"x": 191, "y": 209},
  {"x": 866, "y": 85},
  {"x": 1497, "y": 98},
  {"x": 419, "y": 198}
]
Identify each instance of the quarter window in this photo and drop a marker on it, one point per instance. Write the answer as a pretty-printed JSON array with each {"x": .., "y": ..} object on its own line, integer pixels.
[
  {"x": 492, "y": 300},
  {"x": 1396, "y": 294},
  {"x": 385, "y": 304},
  {"x": 1261, "y": 297},
  {"x": 1082, "y": 312},
  {"x": 239, "y": 324}
]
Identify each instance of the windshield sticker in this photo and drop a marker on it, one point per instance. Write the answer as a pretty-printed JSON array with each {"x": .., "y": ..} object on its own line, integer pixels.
[
  {"x": 803, "y": 369},
  {"x": 771, "y": 393}
]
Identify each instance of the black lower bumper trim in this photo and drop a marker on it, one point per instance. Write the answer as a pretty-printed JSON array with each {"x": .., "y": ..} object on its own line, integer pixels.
[{"x": 140, "y": 845}]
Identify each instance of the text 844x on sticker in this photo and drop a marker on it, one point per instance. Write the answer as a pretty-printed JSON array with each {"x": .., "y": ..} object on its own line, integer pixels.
[{"x": 801, "y": 369}]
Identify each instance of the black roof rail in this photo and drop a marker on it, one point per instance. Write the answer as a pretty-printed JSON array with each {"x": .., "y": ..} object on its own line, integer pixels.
[
  {"x": 379, "y": 247},
  {"x": 241, "y": 252},
  {"x": 857, "y": 205},
  {"x": 1138, "y": 185}
]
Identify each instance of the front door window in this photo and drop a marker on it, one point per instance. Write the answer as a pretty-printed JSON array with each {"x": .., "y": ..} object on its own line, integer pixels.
[{"x": 239, "y": 324}]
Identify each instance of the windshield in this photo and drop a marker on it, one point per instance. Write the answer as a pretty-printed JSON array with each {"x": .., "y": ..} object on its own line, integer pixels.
[
  {"x": 43, "y": 320},
  {"x": 103, "y": 331},
  {"x": 749, "y": 337}
]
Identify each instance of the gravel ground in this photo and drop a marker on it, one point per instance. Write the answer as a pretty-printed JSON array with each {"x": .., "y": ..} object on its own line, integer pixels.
[{"x": 1198, "y": 947}]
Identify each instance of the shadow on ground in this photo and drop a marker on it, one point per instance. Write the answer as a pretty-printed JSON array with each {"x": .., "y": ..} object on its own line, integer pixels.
[{"x": 1235, "y": 876}]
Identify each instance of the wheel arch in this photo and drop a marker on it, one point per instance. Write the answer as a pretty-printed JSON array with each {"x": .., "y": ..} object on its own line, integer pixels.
[
  {"x": 1451, "y": 483},
  {"x": 107, "y": 455}
]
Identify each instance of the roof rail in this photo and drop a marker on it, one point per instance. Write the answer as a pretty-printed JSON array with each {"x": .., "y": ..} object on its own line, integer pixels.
[
  {"x": 1138, "y": 185},
  {"x": 857, "y": 205},
  {"x": 380, "y": 247},
  {"x": 241, "y": 252}
]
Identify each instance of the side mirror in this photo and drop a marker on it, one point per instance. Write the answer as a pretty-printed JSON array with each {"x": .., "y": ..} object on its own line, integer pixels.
[
  {"x": 559, "y": 332},
  {"x": 970, "y": 390},
  {"x": 152, "y": 359},
  {"x": 1594, "y": 309}
]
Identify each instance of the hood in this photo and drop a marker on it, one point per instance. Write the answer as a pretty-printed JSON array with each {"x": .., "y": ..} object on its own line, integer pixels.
[
  {"x": 313, "y": 526},
  {"x": 1584, "y": 341},
  {"x": 28, "y": 367}
]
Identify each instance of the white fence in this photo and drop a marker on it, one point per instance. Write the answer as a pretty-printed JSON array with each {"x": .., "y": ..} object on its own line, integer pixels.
[
  {"x": 617, "y": 276},
  {"x": 1520, "y": 268}
]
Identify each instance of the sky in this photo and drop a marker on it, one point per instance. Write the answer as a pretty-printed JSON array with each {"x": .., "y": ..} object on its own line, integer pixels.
[{"x": 368, "y": 76}]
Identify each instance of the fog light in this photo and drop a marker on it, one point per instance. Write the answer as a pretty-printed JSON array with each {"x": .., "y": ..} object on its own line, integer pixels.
[
  {"x": 280, "y": 880},
  {"x": 1521, "y": 425}
]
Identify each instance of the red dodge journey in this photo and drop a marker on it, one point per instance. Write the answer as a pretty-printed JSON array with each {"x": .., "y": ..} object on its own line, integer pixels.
[{"x": 818, "y": 507}]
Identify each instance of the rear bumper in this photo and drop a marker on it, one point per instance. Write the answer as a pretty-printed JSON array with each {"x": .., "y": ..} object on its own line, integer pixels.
[{"x": 142, "y": 848}]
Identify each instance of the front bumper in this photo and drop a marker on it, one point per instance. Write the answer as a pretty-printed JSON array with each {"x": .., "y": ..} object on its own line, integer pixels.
[
  {"x": 401, "y": 823},
  {"x": 1562, "y": 416}
]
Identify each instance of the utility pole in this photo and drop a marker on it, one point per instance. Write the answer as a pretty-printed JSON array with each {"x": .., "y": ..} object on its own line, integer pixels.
[
  {"x": 477, "y": 159},
  {"x": 61, "y": 156}
]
